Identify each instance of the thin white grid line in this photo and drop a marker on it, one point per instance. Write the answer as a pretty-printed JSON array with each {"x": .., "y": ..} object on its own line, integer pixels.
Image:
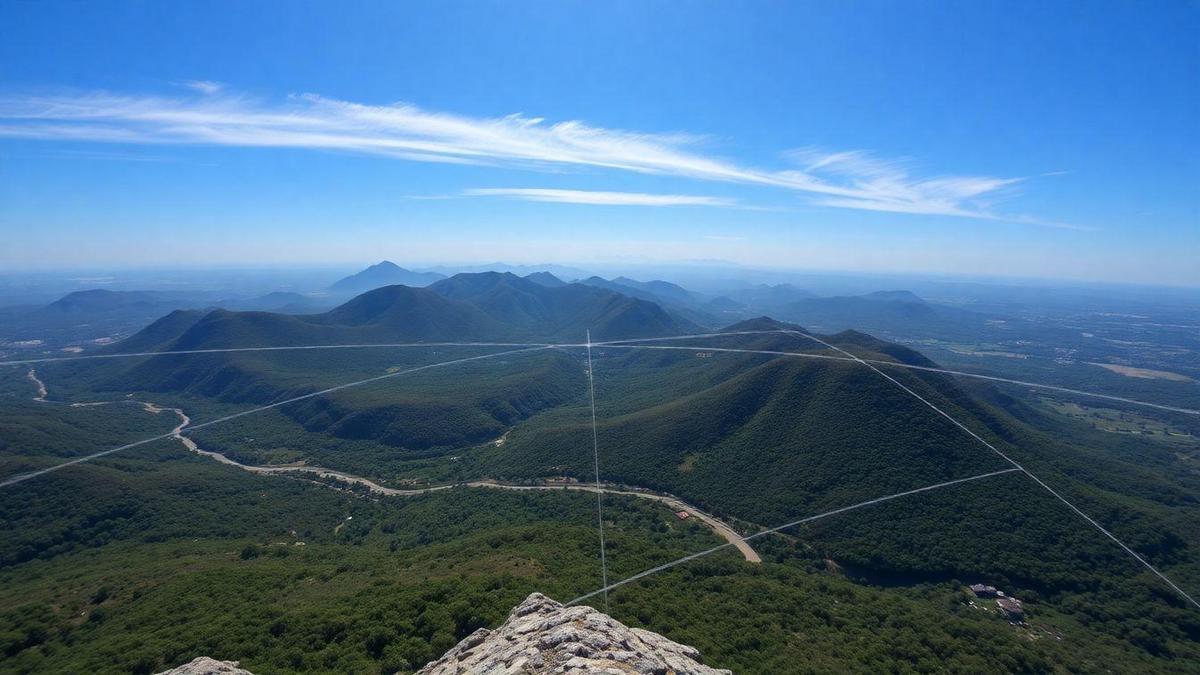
[
  {"x": 79, "y": 460},
  {"x": 626, "y": 344},
  {"x": 877, "y": 500},
  {"x": 1010, "y": 460},
  {"x": 848, "y": 355},
  {"x": 230, "y": 350},
  {"x": 622, "y": 344},
  {"x": 596, "y": 459},
  {"x": 374, "y": 345}
]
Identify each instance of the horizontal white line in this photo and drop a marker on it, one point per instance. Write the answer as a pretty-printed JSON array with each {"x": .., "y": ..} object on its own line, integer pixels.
[
  {"x": 632, "y": 343},
  {"x": 375, "y": 345},
  {"x": 228, "y": 350},
  {"x": 908, "y": 366}
]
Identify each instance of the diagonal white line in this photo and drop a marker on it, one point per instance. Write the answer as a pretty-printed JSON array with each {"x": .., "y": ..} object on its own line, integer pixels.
[
  {"x": 377, "y": 345},
  {"x": 630, "y": 343},
  {"x": 625, "y": 344},
  {"x": 79, "y": 460},
  {"x": 1051, "y": 387},
  {"x": 596, "y": 458},
  {"x": 1010, "y": 460},
  {"x": 809, "y": 519},
  {"x": 231, "y": 350}
]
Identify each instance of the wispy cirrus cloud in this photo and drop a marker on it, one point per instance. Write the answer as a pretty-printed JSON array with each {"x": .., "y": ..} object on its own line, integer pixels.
[
  {"x": 204, "y": 86},
  {"x": 597, "y": 197},
  {"x": 847, "y": 180}
]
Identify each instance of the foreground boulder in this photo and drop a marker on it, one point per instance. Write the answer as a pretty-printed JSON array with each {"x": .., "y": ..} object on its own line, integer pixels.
[
  {"x": 203, "y": 665},
  {"x": 543, "y": 636}
]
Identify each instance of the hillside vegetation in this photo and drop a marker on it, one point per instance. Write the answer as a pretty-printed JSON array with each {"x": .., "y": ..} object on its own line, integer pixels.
[{"x": 205, "y": 557}]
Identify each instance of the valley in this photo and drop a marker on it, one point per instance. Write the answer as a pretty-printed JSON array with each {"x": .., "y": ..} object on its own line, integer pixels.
[
  {"x": 634, "y": 338},
  {"x": 451, "y": 458},
  {"x": 300, "y": 469}
]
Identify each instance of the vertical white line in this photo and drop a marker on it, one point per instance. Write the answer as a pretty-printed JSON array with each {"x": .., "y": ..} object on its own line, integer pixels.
[{"x": 596, "y": 461}]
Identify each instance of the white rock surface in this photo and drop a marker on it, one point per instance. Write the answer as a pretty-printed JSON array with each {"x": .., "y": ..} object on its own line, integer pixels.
[
  {"x": 203, "y": 665},
  {"x": 542, "y": 636}
]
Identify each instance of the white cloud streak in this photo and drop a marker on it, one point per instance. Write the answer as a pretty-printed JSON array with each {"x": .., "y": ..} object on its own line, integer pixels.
[
  {"x": 599, "y": 197},
  {"x": 204, "y": 86},
  {"x": 847, "y": 180}
]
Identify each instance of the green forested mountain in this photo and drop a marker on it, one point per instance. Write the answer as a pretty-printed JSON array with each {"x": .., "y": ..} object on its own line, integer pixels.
[
  {"x": 486, "y": 306},
  {"x": 384, "y": 583},
  {"x": 525, "y": 307},
  {"x": 672, "y": 297},
  {"x": 483, "y": 306}
]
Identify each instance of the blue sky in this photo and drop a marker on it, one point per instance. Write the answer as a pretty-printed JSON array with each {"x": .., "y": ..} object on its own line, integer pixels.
[{"x": 998, "y": 138}]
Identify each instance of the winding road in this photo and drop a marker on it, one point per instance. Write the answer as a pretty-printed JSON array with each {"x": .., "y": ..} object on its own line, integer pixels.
[
  {"x": 674, "y": 503},
  {"x": 41, "y": 386}
]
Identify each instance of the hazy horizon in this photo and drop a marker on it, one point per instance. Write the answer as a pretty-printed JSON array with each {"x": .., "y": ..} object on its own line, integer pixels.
[
  {"x": 1011, "y": 140},
  {"x": 714, "y": 270},
  {"x": 872, "y": 342}
]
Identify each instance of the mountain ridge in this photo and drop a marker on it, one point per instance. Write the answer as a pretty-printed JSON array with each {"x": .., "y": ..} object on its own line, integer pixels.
[
  {"x": 385, "y": 273},
  {"x": 466, "y": 307}
]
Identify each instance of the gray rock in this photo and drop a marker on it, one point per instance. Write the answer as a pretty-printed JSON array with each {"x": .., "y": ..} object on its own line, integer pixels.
[
  {"x": 202, "y": 665},
  {"x": 541, "y": 637}
]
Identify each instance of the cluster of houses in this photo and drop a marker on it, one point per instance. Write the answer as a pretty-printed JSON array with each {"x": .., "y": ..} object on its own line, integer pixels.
[{"x": 1009, "y": 607}]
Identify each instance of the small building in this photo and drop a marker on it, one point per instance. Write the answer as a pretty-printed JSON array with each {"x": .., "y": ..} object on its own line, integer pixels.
[
  {"x": 982, "y": 591},
  {"x": 682, "y": 515},
  {"x": 1011, "y": 608}
]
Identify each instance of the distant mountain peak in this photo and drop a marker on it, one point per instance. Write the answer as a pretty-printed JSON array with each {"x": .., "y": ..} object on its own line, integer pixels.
[
  {"x": 385, "y": 273},
  {"x": 100, "y": 299},
  {"x": 545, "y": 279},
  {"x": 895, "y": 296}
]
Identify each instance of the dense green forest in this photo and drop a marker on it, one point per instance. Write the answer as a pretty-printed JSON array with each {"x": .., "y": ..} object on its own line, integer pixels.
[
  {"x": 145, "y": 559},
  {"x": 160, "y": 556}
]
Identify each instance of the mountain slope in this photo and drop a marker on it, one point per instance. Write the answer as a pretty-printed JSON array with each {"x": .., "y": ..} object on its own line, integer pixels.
[
  {"x": 545, "y": 279},
  {"x": 160, "y": 335},
  {"x": 409, "y": 312},
  {"x": 771, "y": 438},
  {"x": 386, "y": 273},
  {"x": 674, "y": 299},
  {"x": 768, "y": 440},
  {"x": 529, "y": 308},
  {"x": 82, "y": 316},
  {"x": 466, "y": 307},
  {"x": 898, "y": 314},
  {"x": 664, "y": 290},
  {"x": 764, "y": 297},
  {"x": 103, "y": 300}
]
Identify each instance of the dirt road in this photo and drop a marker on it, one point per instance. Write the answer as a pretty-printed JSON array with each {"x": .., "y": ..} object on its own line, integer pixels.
[{"x": 674, "y": 503}]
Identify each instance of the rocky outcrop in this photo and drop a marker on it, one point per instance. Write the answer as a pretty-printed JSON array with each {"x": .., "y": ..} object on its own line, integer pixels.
[
  {"x": 540, "y": 637},
  {"x": 543, "y": 636},
  {"x": 205, "y": 666}
]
